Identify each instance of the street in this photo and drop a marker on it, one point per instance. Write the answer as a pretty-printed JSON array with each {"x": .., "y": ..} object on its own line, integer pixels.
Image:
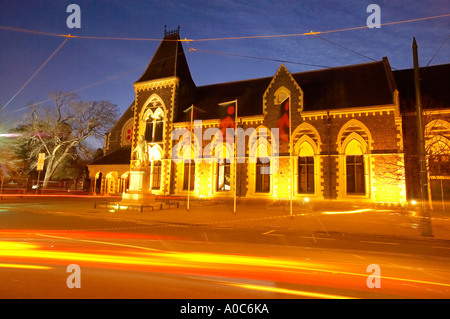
[{"x": 127, "y": 257}]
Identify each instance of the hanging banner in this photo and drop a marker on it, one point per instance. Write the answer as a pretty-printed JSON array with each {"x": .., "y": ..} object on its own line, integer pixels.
[
  {"x": 283, "y": 122},
  {"x": 227, "y": 117}
]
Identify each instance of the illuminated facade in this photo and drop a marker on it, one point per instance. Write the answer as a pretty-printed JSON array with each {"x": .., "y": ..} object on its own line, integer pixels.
[{"x": 347, "y": 136}]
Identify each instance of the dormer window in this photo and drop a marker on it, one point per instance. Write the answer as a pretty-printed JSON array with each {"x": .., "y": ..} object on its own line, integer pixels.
[{"x": 281, "y": 95}]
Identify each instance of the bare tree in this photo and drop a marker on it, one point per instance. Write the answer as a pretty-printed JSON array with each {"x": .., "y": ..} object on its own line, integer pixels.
[
  {"x": 437, "y": 146},
  {"x": 61, "y": 130}
]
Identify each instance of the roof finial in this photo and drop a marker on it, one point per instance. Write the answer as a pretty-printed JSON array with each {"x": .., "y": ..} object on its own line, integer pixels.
[{"x": 171, "y": 32}]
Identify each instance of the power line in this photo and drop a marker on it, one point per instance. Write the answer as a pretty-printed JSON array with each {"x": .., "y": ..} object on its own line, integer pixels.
[
  {"x": 29, "y": 31},
  {"x": 438, "y": 50},
  {"x": 219, "y": 39},
  {"x": 322, "y": 32},
  {"x": 345, "y": 48},
  {"x": 74, "y": 36},
  {"x": 257, "y": 58},
  {"x": 35, "y": 73},
  {"x": 107, "y": 79}
]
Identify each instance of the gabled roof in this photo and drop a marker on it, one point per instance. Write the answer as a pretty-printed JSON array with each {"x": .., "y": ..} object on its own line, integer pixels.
[
  {"x": 249, "y": 94},
  {"x": 367, "y": 84},
  {"x": 123, "y": 118},
  {"x": 169, "y": 60}
]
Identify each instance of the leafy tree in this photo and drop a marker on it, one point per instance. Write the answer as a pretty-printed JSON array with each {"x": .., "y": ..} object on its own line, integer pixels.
[{"x": 12, "y": 165}]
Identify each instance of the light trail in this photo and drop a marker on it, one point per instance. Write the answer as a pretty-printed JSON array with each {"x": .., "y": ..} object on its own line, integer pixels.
[
  {"x": 358, "y": 211},
  {"x": 20, "y": 266},
  {"x": 254, "y": 267},
  {"x": 288, "y": 291}
]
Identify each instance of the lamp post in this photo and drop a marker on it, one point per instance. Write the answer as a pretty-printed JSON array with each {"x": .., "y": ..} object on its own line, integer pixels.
[{"x": 425, "y": 218}]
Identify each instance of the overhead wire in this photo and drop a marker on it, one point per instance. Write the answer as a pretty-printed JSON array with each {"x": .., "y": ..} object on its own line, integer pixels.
[
  {"x": 321, "y": 32},
  {"x": 345, "y": 48},
  {"x": 222, "y": 38},
  {"x": 258, "y": 58},
  {"x": 316, "y": 34},
  {"x": 35, "y": 73},
  {"x": 107, "y": 79},
  {"x": 440, "y": 47},
  {"x": 425, "y": 68}
]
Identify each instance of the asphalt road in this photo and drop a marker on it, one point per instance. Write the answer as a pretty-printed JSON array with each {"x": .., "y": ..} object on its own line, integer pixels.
[{"x": 125, "y": 259}]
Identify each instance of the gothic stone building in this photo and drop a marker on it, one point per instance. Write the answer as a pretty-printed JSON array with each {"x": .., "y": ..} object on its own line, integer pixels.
[{"x": 352, "y": 134}]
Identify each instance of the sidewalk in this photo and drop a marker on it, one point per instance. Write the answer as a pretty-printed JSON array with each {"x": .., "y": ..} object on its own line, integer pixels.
[{"x": 320, "y": 216}]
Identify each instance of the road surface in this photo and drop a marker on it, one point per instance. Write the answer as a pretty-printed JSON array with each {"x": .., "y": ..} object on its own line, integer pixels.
[{"x": 62, "y": 256}]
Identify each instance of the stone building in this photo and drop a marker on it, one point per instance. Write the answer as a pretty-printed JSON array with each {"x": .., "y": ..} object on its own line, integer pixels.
[{"x": 350, "y": 131}]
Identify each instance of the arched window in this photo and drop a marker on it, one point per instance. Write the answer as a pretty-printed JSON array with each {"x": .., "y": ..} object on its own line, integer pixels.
[
  {"x": 154, "y": 126},
  {"x": 155, "y": 156},
  {"x": 355, "y": 148},
  {"x": 281, "y": 95},
  {"x": 262, "y": 152},
  {"x": 306, "y": 175},
  {"x": 354, "y": 144},
  {"x": 223, "y": 160},
  {"x": 307, "y": 150},
  {"x": 437, "y": 146}
]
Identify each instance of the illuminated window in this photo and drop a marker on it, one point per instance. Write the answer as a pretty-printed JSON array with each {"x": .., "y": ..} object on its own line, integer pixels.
[
  {"x": 156, "y": 183},
  {"x": 306, "y": 175},
  {"x": 223, "y": 176},
  {"x": 262, "y": 175},
  {"x": 158, "y": 136},
  {"x": 440, "y": 165},
  {"x": 355, "y": 175},
  {"x": 154, "y": 129},
  {"x": 189, "y": 179},
  {"x": 149, "y": 130}
]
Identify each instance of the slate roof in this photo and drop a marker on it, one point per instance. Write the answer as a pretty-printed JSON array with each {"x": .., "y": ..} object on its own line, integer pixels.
[
  {"x": 169, "y": 53},
  {"x": 334, "y": 88},
  {"x": 119, "y": 156},
  {"x": 348, "y": 86},
  {"x": 434, "y": 87}
]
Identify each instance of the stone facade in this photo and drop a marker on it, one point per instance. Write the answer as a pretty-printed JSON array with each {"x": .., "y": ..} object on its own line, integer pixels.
[{"x": 349, "y": 137}]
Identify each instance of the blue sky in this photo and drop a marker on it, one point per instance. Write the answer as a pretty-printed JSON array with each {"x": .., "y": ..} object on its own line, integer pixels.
[{"x": 109, "y": 67}]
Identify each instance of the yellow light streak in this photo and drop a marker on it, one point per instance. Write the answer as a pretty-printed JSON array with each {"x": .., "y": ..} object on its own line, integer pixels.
[
  {"x": 12, "y": 245},
  {"x": 289, "y": 291},
  {"x": 191, "y": 260},
  {"x": 19, "y": 266},
  {"x": 349, "y": 212},
  {"x": 96, "y": 242}
]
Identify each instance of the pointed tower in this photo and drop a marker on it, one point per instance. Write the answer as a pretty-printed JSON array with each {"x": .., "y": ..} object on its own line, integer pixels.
[{"x": 163, "y": 90}]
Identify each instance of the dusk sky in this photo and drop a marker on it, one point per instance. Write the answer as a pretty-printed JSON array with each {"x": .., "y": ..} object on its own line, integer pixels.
[{"x": 101, "y": 69}]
